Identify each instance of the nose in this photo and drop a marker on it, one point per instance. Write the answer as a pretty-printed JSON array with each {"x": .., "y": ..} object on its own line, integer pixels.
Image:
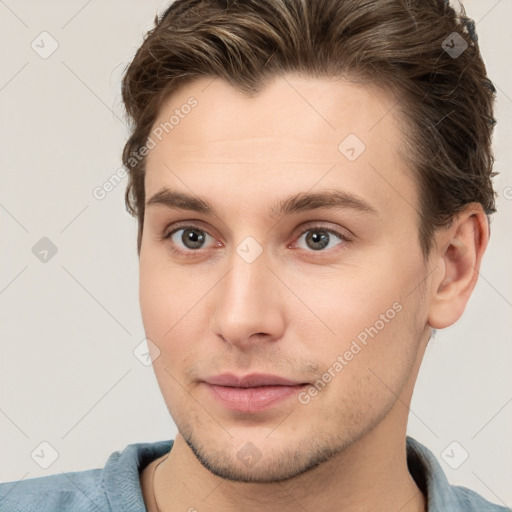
[{"x": 249, "y": 304}]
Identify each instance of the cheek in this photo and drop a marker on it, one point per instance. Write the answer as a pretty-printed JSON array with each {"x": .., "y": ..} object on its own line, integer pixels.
[
  {"x": 343, "y": 304},
  {"x": 167, "y": 298},
  {"x": 362, "y": 381},
  {"x": 174, "y": 318},
  {"x": 373, "y": 337},
  {"x": 167, "y": 295}
]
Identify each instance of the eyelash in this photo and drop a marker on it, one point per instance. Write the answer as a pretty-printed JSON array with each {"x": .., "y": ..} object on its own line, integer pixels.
[{"x": 344, "y": 239}]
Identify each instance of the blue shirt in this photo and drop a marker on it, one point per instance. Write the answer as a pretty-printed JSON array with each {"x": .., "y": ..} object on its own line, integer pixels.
[{"x": 116, "y": 487}]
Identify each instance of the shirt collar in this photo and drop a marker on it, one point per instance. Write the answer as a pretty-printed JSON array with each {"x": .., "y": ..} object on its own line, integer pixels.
[
  {"x": 121, "y": 476},
  {"x": 430, "y": 478}
]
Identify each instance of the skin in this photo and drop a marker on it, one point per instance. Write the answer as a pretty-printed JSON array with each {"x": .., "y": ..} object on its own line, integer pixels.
[{"x": 293, "y": 310}]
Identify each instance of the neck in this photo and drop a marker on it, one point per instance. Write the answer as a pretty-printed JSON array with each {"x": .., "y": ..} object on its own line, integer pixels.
[{"x": 369, "y": 476}]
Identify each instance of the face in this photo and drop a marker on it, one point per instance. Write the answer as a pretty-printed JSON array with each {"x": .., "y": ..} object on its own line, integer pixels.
[{"x": 249, "y": 268}]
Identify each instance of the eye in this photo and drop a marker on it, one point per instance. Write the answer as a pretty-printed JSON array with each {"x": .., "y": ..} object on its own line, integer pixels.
[
  {"x": 188, "y": 238},
  {"x": 319, "y": 238}
]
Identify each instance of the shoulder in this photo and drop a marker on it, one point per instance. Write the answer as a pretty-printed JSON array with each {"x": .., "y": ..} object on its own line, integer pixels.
[
  {"x": 441, "y": 495},
  {"x": 114, "y": 487},
  {"x": 470, "y": 501},
  {"x": 80, "y": 490}
]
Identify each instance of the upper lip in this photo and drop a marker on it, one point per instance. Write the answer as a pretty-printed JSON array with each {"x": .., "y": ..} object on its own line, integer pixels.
[{"x": 249, "y": 381}]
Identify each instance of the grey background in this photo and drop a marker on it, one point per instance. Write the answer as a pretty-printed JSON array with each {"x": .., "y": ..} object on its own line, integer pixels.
[{"x": 69, "y": 326}]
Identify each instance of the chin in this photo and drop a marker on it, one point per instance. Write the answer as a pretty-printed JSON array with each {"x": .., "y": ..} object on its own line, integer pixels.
[{"x": 270, "y": 464}]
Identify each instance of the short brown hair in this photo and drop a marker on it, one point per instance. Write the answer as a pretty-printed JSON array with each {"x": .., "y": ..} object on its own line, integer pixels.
[{"x": 446, "y": 102}]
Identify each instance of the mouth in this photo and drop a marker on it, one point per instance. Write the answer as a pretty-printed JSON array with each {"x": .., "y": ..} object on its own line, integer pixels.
[{"x": 252, "y": 393}]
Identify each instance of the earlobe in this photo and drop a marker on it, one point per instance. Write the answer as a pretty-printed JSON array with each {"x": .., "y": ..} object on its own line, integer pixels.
[{"x": 462, "y": 247}]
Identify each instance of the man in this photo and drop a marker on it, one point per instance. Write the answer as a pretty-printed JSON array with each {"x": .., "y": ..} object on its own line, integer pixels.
[{"x": 312, "y": 181}]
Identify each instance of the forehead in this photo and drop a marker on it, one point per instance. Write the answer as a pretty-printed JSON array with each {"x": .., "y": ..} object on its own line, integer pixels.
[
  {"x": 290, "y": 107},
  {"x": 294, "y": 131}
]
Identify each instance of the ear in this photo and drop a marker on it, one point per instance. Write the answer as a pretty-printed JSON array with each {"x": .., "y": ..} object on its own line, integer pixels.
[{"x": 457, "y": 259}]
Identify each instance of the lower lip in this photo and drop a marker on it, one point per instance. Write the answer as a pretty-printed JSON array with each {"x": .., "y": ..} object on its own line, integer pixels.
[{"x": 253, "y": 399}]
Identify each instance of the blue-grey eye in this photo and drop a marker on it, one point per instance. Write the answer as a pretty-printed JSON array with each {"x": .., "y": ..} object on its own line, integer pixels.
[
  {"x": 318, "y": 239},
  {"x": 191, "y": 237}
]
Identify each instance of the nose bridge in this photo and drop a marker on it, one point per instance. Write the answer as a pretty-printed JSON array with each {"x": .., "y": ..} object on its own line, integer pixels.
[{"x": 246, "y": 299}]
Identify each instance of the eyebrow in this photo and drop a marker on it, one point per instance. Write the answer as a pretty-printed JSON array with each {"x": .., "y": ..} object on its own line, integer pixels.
[{"x": 303, "y": 201}]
